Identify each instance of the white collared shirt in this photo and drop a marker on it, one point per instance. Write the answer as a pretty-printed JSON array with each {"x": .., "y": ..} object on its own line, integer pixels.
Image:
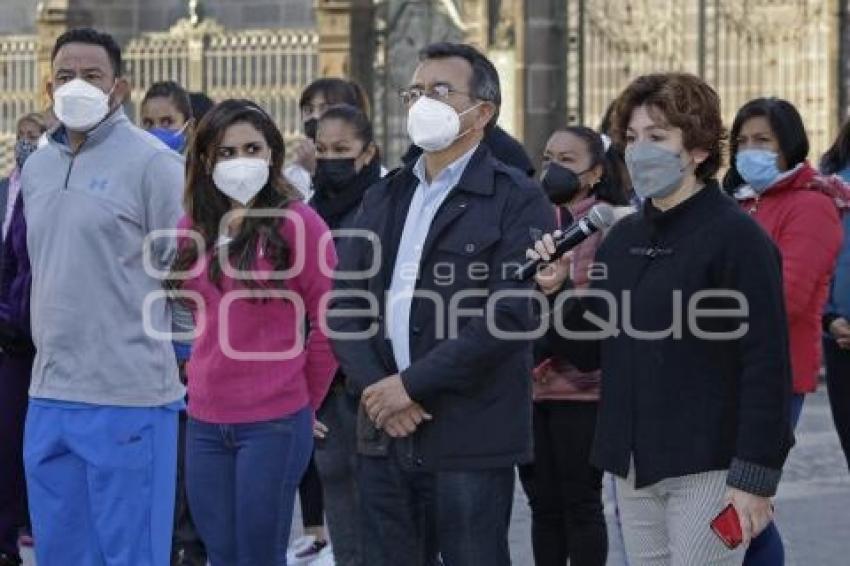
[{"x": 423, "y": 208}]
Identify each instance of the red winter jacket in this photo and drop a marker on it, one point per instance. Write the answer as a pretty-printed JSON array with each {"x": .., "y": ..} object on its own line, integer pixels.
[{"x": 805, "y": 225}]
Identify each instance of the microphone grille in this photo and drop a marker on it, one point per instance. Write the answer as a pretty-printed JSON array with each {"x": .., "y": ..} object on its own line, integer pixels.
[{"x": 602, "y": 216}]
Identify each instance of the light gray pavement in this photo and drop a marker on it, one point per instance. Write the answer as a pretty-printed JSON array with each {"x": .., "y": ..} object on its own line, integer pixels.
[{"x": 813, "y": 504}]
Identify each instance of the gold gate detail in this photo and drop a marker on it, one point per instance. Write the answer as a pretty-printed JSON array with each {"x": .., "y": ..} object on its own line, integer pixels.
[{"x": 269, "y": 66}]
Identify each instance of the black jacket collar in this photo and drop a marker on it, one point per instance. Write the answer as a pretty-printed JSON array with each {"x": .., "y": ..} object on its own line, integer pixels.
[
  {"x": 477, "y": 178},
  {"x": 674, "y": 223}
]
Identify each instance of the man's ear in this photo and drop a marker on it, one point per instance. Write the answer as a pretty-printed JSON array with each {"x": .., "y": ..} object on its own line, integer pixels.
[
  {"x": 122, "y": 91},
  {"x": 48, "y": 88},
  {"x": 485, "y": 113}
]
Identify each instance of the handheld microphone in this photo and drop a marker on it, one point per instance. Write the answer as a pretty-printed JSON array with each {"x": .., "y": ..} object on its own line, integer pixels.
[{"x": 600, "y": 217}]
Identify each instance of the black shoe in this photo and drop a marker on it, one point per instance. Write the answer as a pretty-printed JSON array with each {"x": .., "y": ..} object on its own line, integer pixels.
[{"x": 10, "y": 560}]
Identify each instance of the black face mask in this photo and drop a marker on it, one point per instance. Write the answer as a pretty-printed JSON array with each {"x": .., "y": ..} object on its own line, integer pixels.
[
  {"x": 311, "y": 127},
  {"x": 334, "y": 175},
  {"x": 560, "y": 183}
]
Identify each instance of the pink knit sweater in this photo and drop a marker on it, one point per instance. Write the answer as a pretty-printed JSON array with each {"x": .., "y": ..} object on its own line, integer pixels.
[{"x": 237, "y": 372}]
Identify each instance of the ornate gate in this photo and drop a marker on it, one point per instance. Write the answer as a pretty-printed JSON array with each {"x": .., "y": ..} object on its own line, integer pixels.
[
  {"x": 270, "y": 66},
  {"x": 784, "y": 48}
]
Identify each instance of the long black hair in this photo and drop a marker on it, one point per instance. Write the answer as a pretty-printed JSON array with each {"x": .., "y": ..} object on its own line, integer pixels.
[
  {"x": 610, "y": 187},
  {"x": 787, "y": 126},
  {"x": 206, "y": 205}
]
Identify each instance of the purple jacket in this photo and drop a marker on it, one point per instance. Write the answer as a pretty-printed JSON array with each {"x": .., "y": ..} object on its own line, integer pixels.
[{"x": 16, "y": 277}]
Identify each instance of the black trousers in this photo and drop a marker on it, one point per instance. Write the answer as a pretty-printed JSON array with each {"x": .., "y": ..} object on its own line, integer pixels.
[
  {"x": 564, "y": 490},
  {"x": 838, "y": 387},
  {"x": 14, "y": 386},
  {"x": 187, "y": 548},
  {"x": 311, "y": 497}
]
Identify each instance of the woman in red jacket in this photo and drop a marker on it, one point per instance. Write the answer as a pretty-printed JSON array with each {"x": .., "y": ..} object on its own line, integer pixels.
[{"x": 770, "y": 177}]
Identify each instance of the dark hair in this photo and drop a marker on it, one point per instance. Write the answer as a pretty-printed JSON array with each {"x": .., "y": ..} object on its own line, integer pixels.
[
  {"x": 201, "y": 104},
  {"x": 91, "y": 36},
  {"x": 684, "y": 101},
  {"x": 205, "y": 205},
  {"x": 787, "y": 126},
  {"x": 358, "y": 121},
  {"x": 609, "y": 188},
  {"x": 336, "y": 91},
  {"x": 484, "y": 84},
  {"x": 175, "y": 93},
  {"x": 354, "y": 117},
  {"x": 837, "y": 156},
  {"x": 36, "y": 118},
  {"x": 616, "y": 154}
]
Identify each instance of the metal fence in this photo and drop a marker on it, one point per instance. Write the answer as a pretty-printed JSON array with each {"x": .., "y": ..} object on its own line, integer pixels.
[
  {"x": 269, "y": 66},
  {"x": 20, "y": 90},
  {"x": 783, "y": 48}
]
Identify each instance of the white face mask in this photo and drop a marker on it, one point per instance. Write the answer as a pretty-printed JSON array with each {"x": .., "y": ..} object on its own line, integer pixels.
[
  {"x": 434, "y": 125},
  {"x": 80, "y": 106},
  {"x": 241, "y": 178}
]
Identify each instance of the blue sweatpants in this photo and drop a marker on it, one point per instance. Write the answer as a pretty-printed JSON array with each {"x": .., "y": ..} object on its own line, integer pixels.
[{"x": 101, "y": 483}]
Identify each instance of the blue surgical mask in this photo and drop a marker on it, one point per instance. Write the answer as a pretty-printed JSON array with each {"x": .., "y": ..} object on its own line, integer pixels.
[
  {"x": 23, "y": 149},
  {"x": 758, "y": 167},
  {"x": 175, "y": 139}
]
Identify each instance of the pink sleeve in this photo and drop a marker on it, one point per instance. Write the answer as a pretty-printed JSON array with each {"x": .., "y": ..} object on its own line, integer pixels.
[
  {"x": 185, "y": 223},
  {"x": 313, "y": 282}
]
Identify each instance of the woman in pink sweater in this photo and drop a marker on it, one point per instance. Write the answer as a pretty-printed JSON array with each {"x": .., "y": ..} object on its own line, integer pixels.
[{"x": 254, "y": 268}]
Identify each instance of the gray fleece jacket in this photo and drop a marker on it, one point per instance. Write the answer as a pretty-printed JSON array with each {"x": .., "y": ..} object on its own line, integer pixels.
[{"x": 101, "y": 337}]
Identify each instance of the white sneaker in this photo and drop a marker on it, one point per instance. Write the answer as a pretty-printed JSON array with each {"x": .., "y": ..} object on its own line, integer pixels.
[
  {"x": 299, "y": 546},
  {"x": 324, "y": 558}
]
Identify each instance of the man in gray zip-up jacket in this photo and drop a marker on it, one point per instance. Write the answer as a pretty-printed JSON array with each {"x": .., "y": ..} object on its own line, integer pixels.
[{"x": 100, "y": 446}]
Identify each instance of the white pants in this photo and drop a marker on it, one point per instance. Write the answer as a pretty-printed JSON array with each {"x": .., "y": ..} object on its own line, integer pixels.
[{"x": 668, "y": 523}]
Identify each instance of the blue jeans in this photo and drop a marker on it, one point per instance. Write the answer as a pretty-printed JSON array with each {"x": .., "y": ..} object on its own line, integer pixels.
[
  {"x": 397, "y": 515},
  {"x": 101, "y": 483},
  {"x": 473, "y": 516},
  {"x": 408, "y": 515},
  {"x": 767, "y": 548},
  {"x": 241, "y": 481}
]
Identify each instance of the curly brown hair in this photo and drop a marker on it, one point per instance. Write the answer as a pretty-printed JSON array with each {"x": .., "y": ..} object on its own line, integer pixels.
[{"x": 680, "y": 100}]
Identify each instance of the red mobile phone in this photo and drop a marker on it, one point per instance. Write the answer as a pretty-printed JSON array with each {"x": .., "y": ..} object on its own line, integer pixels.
[{"x": 727, "y": 526}]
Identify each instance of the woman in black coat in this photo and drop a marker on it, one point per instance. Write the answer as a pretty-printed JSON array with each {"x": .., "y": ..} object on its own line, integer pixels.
[
  {"x": 696, "y": 380},
  {"x": 347, "y": 164}
]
